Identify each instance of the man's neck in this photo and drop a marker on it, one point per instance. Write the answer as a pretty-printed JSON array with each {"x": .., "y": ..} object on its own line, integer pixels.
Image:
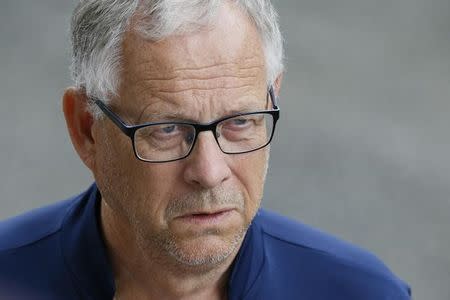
[
  {"x": 142, "y": 275},
  {"x": 127, "y": 287}
]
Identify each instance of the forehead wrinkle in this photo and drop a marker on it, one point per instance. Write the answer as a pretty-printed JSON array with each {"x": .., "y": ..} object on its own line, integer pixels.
[
  {"x": 240, "y": 66},
  {"x": 222, "y": 70},
  {"x": 178, "y": 79},
  {"x": 145, "y": 92},
  {"x": 144, "y": 86},
  {"x": 244, "y": 64},
  {"x": 153, "y": 80},
  {"x": 210, "y": 82},
  {"x": 207, "y": 87},
  {"x": 182, "y": 90}
]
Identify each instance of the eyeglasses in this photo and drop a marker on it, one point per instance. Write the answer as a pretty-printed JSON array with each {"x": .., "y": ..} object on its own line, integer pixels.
[{"x": 169, "y": 141}]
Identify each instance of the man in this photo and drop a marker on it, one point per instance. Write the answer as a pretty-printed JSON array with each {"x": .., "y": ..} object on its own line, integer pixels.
[{"x": 173, "y": 109}]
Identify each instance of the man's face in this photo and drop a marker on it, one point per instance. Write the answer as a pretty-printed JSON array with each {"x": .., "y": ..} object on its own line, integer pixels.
[{"x": 194, "y": 210}]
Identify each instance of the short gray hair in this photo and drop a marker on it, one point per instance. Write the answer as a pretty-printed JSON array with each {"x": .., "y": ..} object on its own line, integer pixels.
[{"x": 98, "y": 27}]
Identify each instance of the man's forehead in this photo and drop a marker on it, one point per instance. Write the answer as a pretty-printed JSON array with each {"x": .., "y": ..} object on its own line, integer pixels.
[
  {"x": 222, "y": 65},
  {"x": 230, "y": 42}
]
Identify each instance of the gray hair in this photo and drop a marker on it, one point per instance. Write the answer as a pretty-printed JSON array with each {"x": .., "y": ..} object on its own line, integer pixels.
[{"x": 98, "y": 27}]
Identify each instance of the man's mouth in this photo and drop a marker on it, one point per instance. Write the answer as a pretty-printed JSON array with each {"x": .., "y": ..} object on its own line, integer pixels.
[{"x": 206, "y": 217}]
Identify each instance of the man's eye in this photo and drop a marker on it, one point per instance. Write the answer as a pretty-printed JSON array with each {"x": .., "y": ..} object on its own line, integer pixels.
[
  {"x": 237, "y": 123},
  {"x": 240, "y": 122},
  {"x": 168, "y": 129},
  {"x": 164, "y": 131}
]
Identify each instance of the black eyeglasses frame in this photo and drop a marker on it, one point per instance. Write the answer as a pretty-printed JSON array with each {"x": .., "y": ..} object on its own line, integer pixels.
[{"x": 130, "y": 130}]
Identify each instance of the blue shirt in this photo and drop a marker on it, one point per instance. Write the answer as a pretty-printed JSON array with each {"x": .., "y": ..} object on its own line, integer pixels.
[{"x": 57, "y": 252}]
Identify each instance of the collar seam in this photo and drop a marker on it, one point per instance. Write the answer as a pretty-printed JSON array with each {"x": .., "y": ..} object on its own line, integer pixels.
[
  {"x": 73, "y": 278},
  {"x": 32, "y": 242},
  {"x": 259, "y": 272}
]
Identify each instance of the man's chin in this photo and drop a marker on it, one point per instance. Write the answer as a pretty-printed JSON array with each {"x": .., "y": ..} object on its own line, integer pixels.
[{"x": 208, "y": 249}]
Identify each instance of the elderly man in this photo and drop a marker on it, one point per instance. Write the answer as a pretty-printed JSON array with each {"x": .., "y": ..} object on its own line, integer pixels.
[{"x": 173, "y": 109}]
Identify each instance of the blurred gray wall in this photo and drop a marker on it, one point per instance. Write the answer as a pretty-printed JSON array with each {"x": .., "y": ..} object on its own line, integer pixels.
[{"x": 362, "y": 150}]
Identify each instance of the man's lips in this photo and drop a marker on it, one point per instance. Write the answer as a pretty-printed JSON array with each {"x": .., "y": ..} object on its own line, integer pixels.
[{"x": 205, "y": 216}]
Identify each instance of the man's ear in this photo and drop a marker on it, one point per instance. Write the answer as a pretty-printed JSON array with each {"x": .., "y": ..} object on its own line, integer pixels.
[
  {"x": 79, "y": 122},
  {"x": 277, "y": 84}
]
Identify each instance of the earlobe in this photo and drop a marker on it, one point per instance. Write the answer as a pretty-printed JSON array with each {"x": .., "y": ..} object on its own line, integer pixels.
[{"x": 79, "y": 123}]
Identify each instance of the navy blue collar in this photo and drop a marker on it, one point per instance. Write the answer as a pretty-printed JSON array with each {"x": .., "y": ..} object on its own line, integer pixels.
[
  {"x": 84, "y": 250},
  {"x": 248, "y": 263}
]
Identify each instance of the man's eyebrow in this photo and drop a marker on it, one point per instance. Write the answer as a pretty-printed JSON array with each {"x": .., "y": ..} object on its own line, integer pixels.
[
  {"x": 162, "y": 110},
  {"x": 248, "y": 107},
  {"x": 179, "y": 115},
  {"x": 153, "y": 116}
]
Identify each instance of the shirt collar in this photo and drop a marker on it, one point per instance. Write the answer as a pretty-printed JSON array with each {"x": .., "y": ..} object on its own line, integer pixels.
[
  {"x": 248, "y": 263},
  {"x": 84, "y": 250}
]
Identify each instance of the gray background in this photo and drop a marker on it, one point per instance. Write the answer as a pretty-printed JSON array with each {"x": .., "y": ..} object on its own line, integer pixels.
[{"x": 361, "y": 151}]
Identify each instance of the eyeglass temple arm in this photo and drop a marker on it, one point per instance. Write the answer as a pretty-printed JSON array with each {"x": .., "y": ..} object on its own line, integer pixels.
[
  {"x": 128, "y": 130},
  {"x": 273, "y": 97}
]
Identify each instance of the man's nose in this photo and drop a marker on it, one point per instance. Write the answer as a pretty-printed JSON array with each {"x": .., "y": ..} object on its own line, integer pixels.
[{"x": 206, "y": 165}]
